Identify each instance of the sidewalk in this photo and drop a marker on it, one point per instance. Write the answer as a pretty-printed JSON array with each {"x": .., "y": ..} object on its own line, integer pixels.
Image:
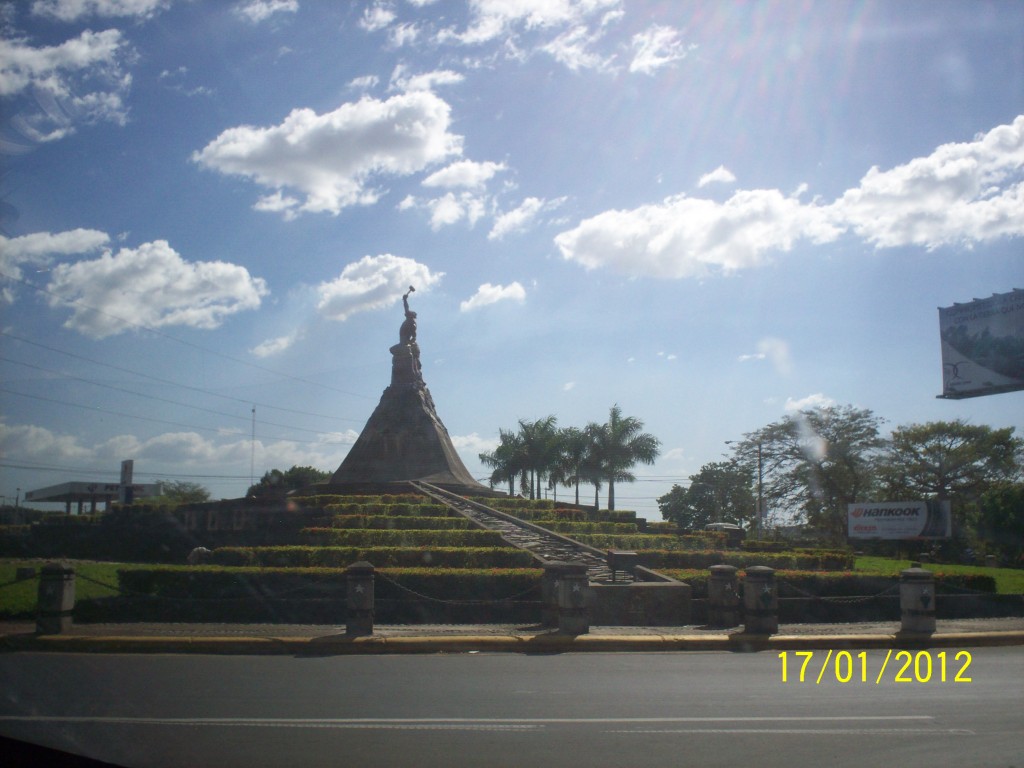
[{"x": 439, "y": 638}]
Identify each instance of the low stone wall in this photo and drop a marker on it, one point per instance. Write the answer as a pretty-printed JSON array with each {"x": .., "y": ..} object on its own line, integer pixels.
[{"x": 640, "y": 604}]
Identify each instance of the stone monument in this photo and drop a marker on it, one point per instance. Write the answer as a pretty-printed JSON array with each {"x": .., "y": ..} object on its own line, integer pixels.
[{"x": 404, "y": 438}]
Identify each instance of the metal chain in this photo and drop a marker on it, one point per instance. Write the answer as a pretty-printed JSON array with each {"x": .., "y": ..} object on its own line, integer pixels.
[
  {"x": 838, "y": 599},
  {"x": 18, "y": 581},
  {"x": 456, "y": 602}
]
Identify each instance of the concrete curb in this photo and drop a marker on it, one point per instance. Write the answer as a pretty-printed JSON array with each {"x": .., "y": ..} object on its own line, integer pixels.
[{"x": 338, "y": 645}]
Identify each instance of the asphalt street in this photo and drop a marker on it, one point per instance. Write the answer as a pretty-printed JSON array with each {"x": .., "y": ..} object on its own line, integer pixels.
[{"x": 483, "y": 709}]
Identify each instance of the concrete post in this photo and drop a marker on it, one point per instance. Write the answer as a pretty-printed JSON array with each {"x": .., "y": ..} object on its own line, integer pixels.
[
  {"x": 760, "y": 601},
  {"x": 917, "y": 601},
  {"x": 570, "y": 591},
  {"x": 359, "y": 594},
  {"x": 723, "y": 597},
  {"x": 56, "y": 600}
]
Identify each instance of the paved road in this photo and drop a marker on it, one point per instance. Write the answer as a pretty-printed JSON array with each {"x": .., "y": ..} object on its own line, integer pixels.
[{"x": 668, "y": 709}]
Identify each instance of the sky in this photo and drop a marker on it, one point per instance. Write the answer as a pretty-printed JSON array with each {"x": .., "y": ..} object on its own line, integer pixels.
[{"x": 709, "y": 214}]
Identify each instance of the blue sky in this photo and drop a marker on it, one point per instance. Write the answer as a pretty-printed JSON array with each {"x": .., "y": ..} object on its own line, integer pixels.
[{"x": 710, "y": 214}]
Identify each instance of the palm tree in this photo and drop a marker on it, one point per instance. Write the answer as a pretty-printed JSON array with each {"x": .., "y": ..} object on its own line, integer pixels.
[
  {"x": 540, "y": 446},
  {"x": 617, "y": 445},
  {"x": 507, "y": 460},
  {"x": 574, "y": 446}
]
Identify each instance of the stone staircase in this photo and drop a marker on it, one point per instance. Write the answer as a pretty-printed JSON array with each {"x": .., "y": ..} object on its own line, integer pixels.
[{"x": 546, "y": 545}]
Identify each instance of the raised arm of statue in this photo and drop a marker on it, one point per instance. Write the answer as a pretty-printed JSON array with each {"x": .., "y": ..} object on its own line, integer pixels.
[{"x": 407, "y": 333}]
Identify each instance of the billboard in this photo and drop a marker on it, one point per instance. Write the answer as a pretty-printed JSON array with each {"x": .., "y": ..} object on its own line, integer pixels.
[
  {"x": 983, "y": 346},
  {"x": 900, "y": 520}
]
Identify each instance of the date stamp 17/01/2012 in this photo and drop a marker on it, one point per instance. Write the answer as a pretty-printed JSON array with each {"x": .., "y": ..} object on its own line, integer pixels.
[{"x": 861, "y": 667}]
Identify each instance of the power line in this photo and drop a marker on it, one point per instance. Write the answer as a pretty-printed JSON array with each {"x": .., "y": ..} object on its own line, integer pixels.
[
  {"x": 168, "y": 381},
  {"x": 156, "y": 397},
  {"x": 163, "y": 334},
  {"x": 154, "y": 419}
]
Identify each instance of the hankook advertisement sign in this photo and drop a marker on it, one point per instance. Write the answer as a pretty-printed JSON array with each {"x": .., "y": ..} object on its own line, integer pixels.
[
  {"x": 900, "y": 520},
  {"x": 983, "y": 346}
]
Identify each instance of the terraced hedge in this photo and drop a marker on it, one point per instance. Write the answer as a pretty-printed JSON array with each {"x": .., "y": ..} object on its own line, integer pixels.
[
  {"x": 838, "y": 584},
  {"x": 382, "y": 557},
  {"x": 637, "y": 542},
  {"x": 571, "y": 529},
  {"x": 390, "y": 509},
  {"x": 403, "y": 522},
  {"x": 366, "y": 537}
]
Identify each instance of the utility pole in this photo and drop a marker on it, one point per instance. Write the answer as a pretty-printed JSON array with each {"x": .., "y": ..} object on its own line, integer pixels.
[
  {"x": 252, "y": 451},
  {"x": 760, "y": 491}
]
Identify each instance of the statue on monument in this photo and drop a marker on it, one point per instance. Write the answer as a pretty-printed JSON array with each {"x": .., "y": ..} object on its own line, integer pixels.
[{"x": 406, "y": 353}]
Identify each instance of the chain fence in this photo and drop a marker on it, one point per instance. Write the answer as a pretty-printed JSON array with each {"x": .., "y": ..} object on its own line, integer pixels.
[{"x": 838, "y": 599}]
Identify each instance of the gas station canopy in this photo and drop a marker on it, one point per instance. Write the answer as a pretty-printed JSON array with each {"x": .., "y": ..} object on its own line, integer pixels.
[{"x": 80, "y": 493}]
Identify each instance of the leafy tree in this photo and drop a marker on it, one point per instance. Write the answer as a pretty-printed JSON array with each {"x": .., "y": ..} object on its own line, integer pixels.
[
  {"x": 816, "y": 462},
  {"x": 184, "y": 492},
  {"x": 719, "y": 493},
  {"x": 277, "y": 483},
  {"x": 950, "y": 460},
  {"x": 1001, "y": 520},
  {"x": 616, "y": 446}
]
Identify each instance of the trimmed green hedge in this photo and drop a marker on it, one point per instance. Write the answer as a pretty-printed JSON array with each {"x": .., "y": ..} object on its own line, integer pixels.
[
  {"x": 837, "y": 584},
  {"x": 786, "y": 561},
  {"x": 216, "y": 583},
  {"x": 574, "y": 528},
  {"x": 643, "y": 541},
  {"x": 636, "y": 542},
  {"x": 510, "y": 505},
  {"x": 394, "y": 523},
  {"x": 395, "y": 509},
  {"x": 366, "y": 537},
  {"x": 383, "y": 557}
]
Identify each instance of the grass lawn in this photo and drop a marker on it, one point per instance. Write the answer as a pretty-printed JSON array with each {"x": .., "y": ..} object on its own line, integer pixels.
[
  {"x": 1009, "y": 581},
  {"x": 20, "y": 599}
]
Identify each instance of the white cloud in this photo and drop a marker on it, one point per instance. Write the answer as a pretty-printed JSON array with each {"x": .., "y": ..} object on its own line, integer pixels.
[
  {"x": 258, "y": 11},
  {"x": 373, "y": 282},
  {"x": 39, "y": 248},
  {"x": 776, "y": 351},
  {"x": 721, "y": 175},
  {"x": 689, "y": 237},
  {"x": 492, "y": 294},
  {"x": 569, "y": 386},
  {"x": 656, "y": 47},
  {"x": 961, "y": 193},
  {"x": 176, "y": 451},
  {"x": 449, "y": 208},
  {"x": 331, "y": 158},
  {"x": 364, "y": 83},
  {"x": 59, "y": 78},
  {"x": 151, "y": 286},
  {"x": 275, "y": 346},
  {"x": 377, "y": 17},
  {"x": 30, "y": 442},
  {"x": 473, "y": 445},
  {"x": 491, "y": 19},
  {"x": 522, "y": 217},
  {"x": 809, "y": 403},
  {"x": 424, "y": 81},
  {"x": 403, "y": 34},
  {"x": 464, "y": 173},
  {"x": 575, "y": 48},
  {"x": 72, "y": 10}
]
